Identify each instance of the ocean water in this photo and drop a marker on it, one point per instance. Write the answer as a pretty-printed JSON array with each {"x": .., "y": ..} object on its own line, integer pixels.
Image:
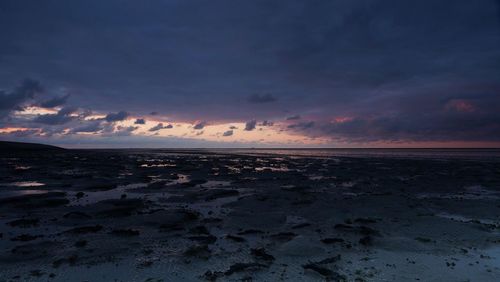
[{"x": 473, "y": 154}]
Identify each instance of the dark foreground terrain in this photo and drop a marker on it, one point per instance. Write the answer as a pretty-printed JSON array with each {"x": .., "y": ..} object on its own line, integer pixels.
[{"x": 188, "y": 216}]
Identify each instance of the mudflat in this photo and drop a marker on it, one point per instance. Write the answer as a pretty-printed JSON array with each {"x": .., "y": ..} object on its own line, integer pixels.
[{"x": 160, "y": 215}]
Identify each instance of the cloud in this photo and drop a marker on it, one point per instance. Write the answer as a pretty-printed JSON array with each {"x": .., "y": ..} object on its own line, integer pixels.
[
  {"x": 124, "y": 130},
  {"x": 438, "y": 125},
  {"x": 160, "y": 126},
  {"x": 296, "y": 117},
  {"x": 119, "y": 116},
  {"x": 90, "y": 127},
  {"x": 250, "y": 125},
  {"x": 14, "y": 100},
  {"x": 323, "y": 59},
  {"x": 261, "y": 98},
  {"x": 140, "y": 121},
  {"x": 54, "y": 102},
  {"x": 267, "y": 123},
  {"x": 302, "y": 125},
  {"x": 200, "y": 125},
  {"x": 228, "y": 133},
  {"x": 63, "y": 116},
  {"x": 21, "y": 133}
]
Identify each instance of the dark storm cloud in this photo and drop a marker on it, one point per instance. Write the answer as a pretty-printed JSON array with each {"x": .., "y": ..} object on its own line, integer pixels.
[
  {"x": 15, "y": 99},
  {"x": 140, "y": 121},
  {"x": 63, "y": 116},
  {"x": 119, "y": 116},
  {"x": 261, "y": 98},
  {"x": 324, "y": 59},
  {"x": 227, "y": 133},
  {"x": 250, "y": 125},
  {"x": 54, "y": 102}
]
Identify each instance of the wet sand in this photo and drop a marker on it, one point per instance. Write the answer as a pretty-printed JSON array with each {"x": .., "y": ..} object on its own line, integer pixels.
[{"x": 156, "y": 215}]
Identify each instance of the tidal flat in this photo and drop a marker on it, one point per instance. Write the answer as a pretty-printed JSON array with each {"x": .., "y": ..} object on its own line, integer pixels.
[{"x": 200, "y": 215}]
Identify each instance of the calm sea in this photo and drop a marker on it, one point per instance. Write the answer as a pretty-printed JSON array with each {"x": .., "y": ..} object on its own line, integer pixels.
[{"x": 479, "y": 154}]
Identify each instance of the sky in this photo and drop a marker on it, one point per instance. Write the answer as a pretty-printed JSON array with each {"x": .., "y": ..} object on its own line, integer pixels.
[{"x": 209, "y": 73}]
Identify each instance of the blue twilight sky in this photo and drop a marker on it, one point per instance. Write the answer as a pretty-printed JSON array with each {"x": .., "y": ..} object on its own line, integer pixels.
[{"x": 258, "y": 73}]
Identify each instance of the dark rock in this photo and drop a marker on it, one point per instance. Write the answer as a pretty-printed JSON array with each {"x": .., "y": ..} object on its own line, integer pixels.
[
  {"x": 199, "y": 230},
  {"x": 118, "y": 207},
  {"x": 101, "y": 187},
  {"x": 332, "y": 240},
  {"x": 368, "y": 231},
  {"x": 366, "y": 241},
  {"x": 125, "y": 232},
  {"x": 250, "y": 232},
  {"x": 199, "y": 251},
  {"x": 212, "y": 276},
  {"x": 301, "y": 225},
  {"x": 328, "y": 274},
  {"x": 194, "y": 182},
  {"x": 24, "y": 222},
  {"x": 363, "y": 230},
  {"x": 365, "y": 220},
  {"x": 77, "y": 215},
  {"x": 329, "y": 260},
  {"x": 71, "y": 260},
  {"x": 36, "y": 273},
  {"x": 260, "y": 253},
  {"x": 342, "y": 226},
  {"x": 209, "y": 239},
  {"x": 26, "y": 237},
  {"x": 284, "y": 236},
  {"x": 36, "y": 201},
  {"x": 81, "y": 243},
  {"x": 85, "y": 229},
  {"x": 423, "y": 240},
  {"x": 239, "y": 267},
  {"x": 235, "y": 238},
  {"x": 213, "y": 194}
]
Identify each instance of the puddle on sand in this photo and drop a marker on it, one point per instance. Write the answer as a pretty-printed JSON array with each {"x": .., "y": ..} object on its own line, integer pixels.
[
  {"x": 94, "y": 197},
  {"x": 7, "y": 194},
  {"x": 476, "y": 192},
  {"x": 461, "y": 218},
  {"x": 24, "y": 184},
  {"x": 215, "y": 184},
  {"x": 158, "y": 165},
  {"x": 21, "y": 167},
  {"x": 271, "y": 168}
]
